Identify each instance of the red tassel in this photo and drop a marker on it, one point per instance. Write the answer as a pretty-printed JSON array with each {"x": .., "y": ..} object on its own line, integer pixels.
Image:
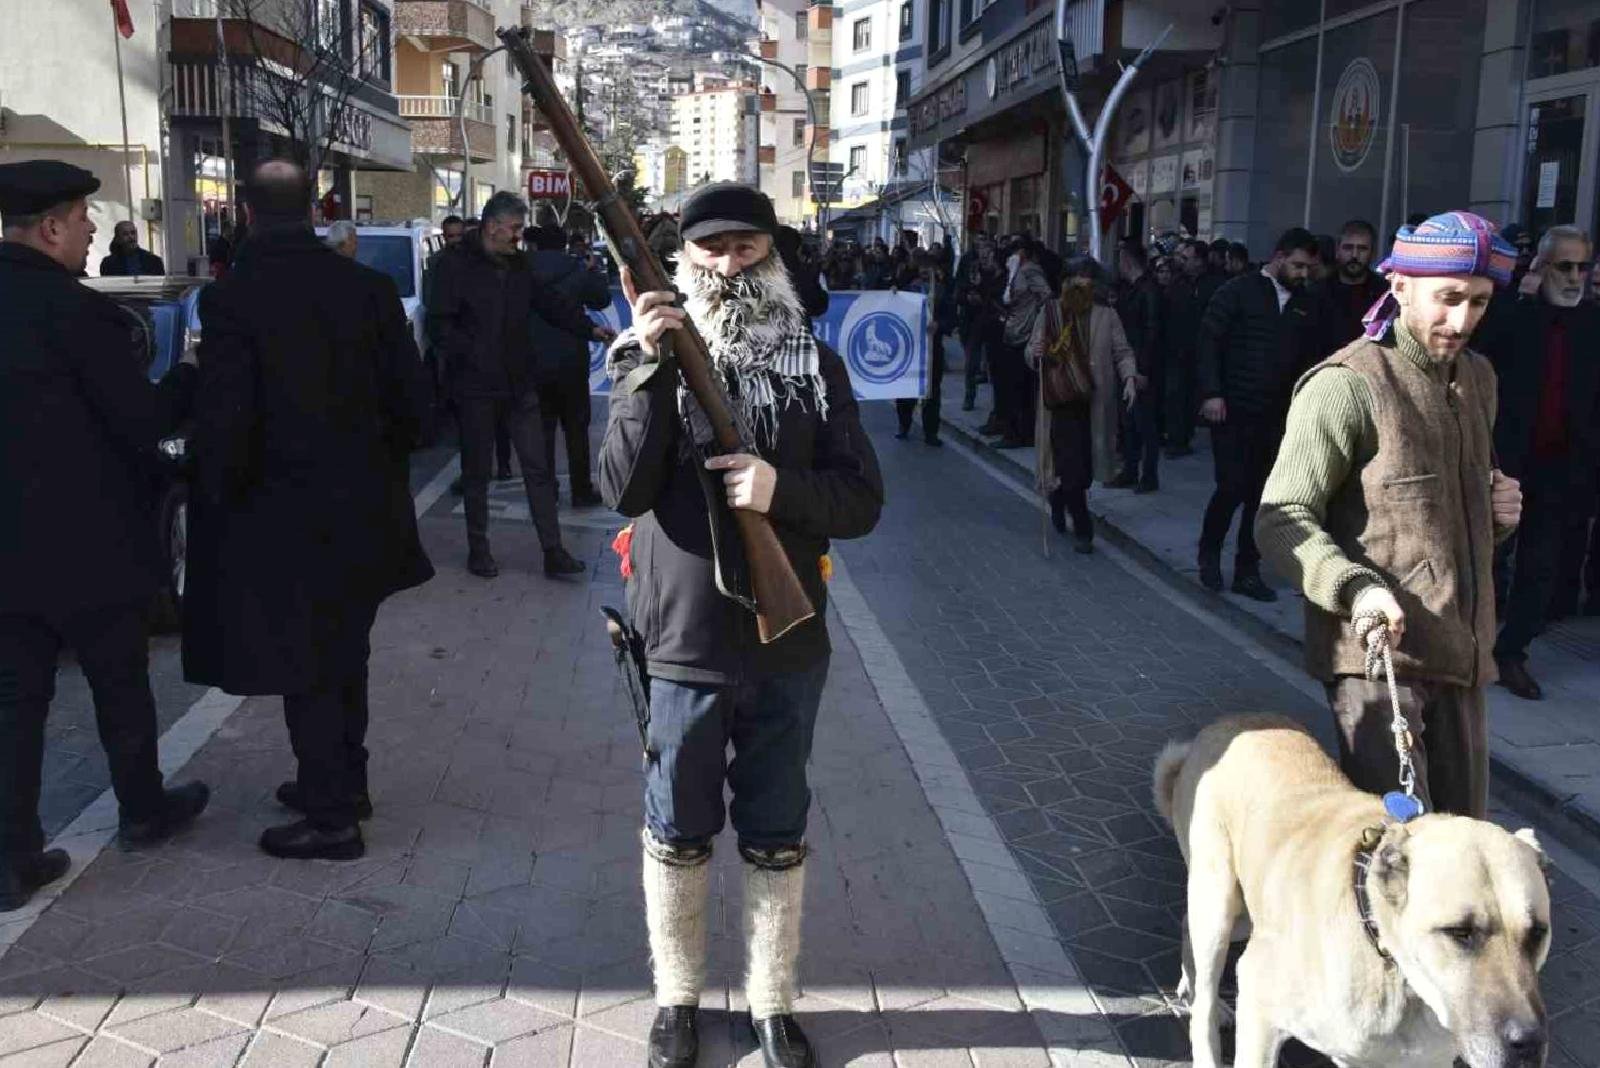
[{"x": 622, "y": 545}]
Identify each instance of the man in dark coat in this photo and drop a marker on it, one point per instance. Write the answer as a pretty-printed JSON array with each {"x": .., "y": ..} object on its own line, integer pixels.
[
  {"x": 1354, "y": 287},
  {"x": 127, "y": 258},
  {"x": 1142, "y": 308},
  {"x": 812, "y": 472},
  {"x": 562, "y": 357},
  {"x": 1254, "y": 343},
  {"x": 482, "y": 297},
  {"x": 1547, "y": 432},
  {"x": 79, "y": 561},
  {"x": 312, "y": 396}
]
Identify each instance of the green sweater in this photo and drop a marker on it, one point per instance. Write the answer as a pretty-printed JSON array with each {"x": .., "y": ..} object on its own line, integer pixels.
[{"x": 1331, "y": 435}]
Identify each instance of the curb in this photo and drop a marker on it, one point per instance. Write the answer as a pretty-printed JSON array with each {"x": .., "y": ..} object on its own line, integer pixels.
[{"x": 1574, "y": 824}]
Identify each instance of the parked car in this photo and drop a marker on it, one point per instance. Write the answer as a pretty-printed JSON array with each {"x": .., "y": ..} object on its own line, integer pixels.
[
  {"x": 166, "y": 312},
  {"x": 401, "y": 252}
]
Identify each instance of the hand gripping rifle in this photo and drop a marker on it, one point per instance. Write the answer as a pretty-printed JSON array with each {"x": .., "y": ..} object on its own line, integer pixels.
[{"x": 780, "y": 602}]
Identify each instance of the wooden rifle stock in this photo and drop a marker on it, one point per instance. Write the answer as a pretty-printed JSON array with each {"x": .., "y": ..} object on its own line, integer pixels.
[{"x": 781, "y": 601}]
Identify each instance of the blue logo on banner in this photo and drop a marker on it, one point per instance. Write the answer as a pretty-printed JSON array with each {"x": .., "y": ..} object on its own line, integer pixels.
[{"x": 880, "y": 347}]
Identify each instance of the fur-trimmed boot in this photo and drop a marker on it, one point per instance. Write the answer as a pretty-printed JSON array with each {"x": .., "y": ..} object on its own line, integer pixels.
[
  {"x": 676, "y": 884},
  {"x": 774, "y": 883}
]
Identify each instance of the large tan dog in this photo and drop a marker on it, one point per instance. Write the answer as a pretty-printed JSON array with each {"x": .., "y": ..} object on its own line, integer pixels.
[{"x": 1459, "y": 910}]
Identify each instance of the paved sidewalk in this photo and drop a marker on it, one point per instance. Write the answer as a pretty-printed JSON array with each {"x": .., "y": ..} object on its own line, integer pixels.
[
  {"x": 497, "y": 918},
  {"x": 1547, "y": 751}
]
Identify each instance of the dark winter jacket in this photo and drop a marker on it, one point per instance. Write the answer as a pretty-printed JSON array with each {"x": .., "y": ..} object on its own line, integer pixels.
[
  {"x": 79, "y": 426},
  {"x": 141, "y": 262},
  {"x": 557, "y": 351},
  {"x": 1249, "y": 353},
  {"x": 978, "y": 291},
  {"x": 828, "y": 487},
  {"x": 478, "y": 320},
  {"x": 311, "y": 398},
  {"x": 1141, "y": 308},
  {"x": 1340, "y": 308}
]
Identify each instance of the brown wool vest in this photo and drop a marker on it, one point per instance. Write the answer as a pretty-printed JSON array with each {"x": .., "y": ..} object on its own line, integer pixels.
[{"x": 1419, "y": 514}]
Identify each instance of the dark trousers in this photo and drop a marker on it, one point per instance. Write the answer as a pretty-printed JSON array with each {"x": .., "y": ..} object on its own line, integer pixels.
[
  {"x": 565, "y": 400},
  {"x": 478, "y": 415},
  {"x": 1072, "y": 451},
  {"x": 973, "y": 343},
  {"x": 1547, "y": 524},
  {"x": 769, "y": 722},
  {"x": 112, "y": 649},
  {"x": 502, "y": 446},
  {"x": 1141, "y": 433},
  {"x": 1243, "y": 449},
  {"x": 1009, "y": 377},
  {"x": 1449, "y": 724},
  {"x": 1591, "y": 567},
  {"x": 328, "y": 728},
  {"x": 1180, "y": 400},
  {"x": 906, "y": 407}
]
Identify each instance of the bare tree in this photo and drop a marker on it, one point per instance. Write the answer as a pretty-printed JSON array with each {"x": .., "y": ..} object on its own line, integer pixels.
[{"x": 310, "y": 60}]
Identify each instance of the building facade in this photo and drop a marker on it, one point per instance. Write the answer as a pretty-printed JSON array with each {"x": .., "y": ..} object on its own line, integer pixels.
[
  {"x": 713, "y": 127},
  {"x": 796, "y": 112},
  {"x": 1256, "y": 115}
]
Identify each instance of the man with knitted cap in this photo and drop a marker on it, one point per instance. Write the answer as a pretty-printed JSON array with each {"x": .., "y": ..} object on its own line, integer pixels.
[
  {"x": 1385, "y": 504},
  {"x": 809, "y": 468}
]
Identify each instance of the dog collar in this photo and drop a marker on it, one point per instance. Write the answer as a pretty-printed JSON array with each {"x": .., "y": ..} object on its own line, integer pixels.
[{"x": 1370, "y": 839}]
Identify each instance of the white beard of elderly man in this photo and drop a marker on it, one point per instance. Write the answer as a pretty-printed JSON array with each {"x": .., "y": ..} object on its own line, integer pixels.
[{"x": 809, "y": 468}]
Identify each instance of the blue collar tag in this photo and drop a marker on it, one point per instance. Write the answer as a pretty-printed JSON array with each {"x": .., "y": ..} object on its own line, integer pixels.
[{"x": 1402, "y": 808}]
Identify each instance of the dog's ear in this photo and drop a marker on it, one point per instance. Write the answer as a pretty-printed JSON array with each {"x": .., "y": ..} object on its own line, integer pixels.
[
  {"x": 1528, "y": 838},
  {"x": 1391, "y": 864}
]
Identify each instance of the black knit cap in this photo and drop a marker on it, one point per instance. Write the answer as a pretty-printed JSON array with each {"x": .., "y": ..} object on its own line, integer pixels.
[
  {"x": 37, "y": 185},
  {"x": 721, "y": 207}
]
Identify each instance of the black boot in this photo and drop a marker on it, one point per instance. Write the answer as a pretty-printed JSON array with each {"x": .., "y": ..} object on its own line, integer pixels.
[
  {"x": 675, "y": 1037},
  {"x": 1058, "y": 512},
  {"x": 558, "y": 561},
  {"x": 1515, "y": 676},
  {"x": 1126, "y": 479},
  {"x": 306, "y": 841},
  {"x": 289, "y": 797},
  {"x": 586, "y": 498},
  {"x": 22, "y": 877},
  {"x": 179, "y": 807},
  {"x": 482, "y": 563},
  {"x": 1211, "y": 573},
  {"x": 783, "y": 1044},
  {"x": 1249, "y": 584}
]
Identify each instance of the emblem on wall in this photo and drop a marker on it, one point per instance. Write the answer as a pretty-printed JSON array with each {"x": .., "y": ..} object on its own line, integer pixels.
[{"x": 1353, "y": 122}]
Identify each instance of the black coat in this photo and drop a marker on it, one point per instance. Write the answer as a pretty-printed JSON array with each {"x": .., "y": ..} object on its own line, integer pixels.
[
  {"x": 1340, "y": 308},
  {"x": 1248, "y": 352},
  {"x": 478, "y": 313},
  {"x": 145, "y": 263},
  {"x": 828, "y": 486},
  {"x": 1141, "y": 307},
  {"x": 311, "y": 398},
  {"x": 1512, "y": 336},
  {"x": 557, "y": 351},
  {"x": 79, "y": 425}
]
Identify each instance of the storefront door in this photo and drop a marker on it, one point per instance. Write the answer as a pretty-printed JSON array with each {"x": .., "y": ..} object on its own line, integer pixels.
[{"x": 1558, "y": 179}]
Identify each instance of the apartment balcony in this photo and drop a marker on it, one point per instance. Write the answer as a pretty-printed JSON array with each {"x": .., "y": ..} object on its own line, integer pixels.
[
  {"x": 436, "y": 129},
  {"x": 819, "y": 78},
  {"x": 769, "y": 48},
  {"x": 769, "y": 102},
  {"x": 447, "y": 25},
  {"x": 819, "y": 20},
  {"x": 767, "y": 155}
]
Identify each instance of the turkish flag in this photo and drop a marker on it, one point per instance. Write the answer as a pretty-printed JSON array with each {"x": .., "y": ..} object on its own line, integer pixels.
[
  {"x": 1115, "y": 193},
  {"x": 119, "y": 8}
]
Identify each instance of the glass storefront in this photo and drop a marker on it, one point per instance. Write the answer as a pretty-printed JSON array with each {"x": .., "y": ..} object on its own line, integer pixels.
[
  {"x": 1555, "y": 153},
  {"x": 1283, "y": 127},
  {"x": 1353, "y": 127},
  {"x": 1565, "y": 37}
]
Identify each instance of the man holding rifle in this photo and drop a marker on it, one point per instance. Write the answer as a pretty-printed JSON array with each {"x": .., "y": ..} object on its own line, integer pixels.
[{"x": 809, "y": 469}]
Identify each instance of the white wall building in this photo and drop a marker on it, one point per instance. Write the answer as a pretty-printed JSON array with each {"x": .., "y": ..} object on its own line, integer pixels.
[
  {"x": 877, "y": 60},
  {"x": 796, "y": 36},
  {"x": 713, "y": 129}
]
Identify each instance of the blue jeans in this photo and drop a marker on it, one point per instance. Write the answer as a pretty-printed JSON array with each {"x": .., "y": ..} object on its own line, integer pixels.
[{"x": 770, "y": 723}]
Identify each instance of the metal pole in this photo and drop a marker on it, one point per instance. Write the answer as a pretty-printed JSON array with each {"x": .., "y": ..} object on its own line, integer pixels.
[
  {"x": 1388, "y": 148},
  {"x": 225, "y": 106},
  {"x": 1316, "y": 117},
  {"x": 122, "y": 97},
  {"x": 474, "y": 69}
]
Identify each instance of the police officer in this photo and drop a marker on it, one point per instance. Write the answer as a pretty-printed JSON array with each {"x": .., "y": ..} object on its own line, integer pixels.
[
  {"x": 79, "y": 561},
  {"x": 812, "y": 472}
]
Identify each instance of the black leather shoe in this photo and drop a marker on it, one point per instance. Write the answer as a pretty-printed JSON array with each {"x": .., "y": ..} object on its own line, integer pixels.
[
  {"x": 21, "y": 878},
  {"x": 1515, "y": 677},
  {"x": 306, "y": 841},
  {"x": 504, "y": 475},
  {"x": 1083, "y": 543},
  {"x": 1126, "y": 480},
  {"x": 1251, "y": 586},
  {"x": 932, "y": 440},
  {"x": 783, "y": 1044},
  {"x": 179, "y": 807},
  {"x": 1011, "y": 441},
  {"x": 455, "y": 486},
  {"x": 991, "y": 428},
  {"x": 586, "y": 498},
  {"x": 482, "y": 565},
  {"x": 560, "y": 562},
  {"x": 1211, "y": 575},
  {"x": 1147, "y": 485},
  {"x": 675, "y": 1037},
  {"x": 289, "y": 797}
]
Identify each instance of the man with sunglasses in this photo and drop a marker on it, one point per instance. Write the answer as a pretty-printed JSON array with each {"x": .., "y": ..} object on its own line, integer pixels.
[{"x": 1543, "y": 345}]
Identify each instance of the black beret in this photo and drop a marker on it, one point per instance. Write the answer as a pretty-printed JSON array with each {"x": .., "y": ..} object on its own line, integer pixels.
[
  {"x": 720, "y": 207},
  {"x": 37, "y": 185}
]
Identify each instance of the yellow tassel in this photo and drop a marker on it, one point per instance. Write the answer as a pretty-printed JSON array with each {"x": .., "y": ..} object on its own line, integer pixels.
[{"x": 826, "y": 565}]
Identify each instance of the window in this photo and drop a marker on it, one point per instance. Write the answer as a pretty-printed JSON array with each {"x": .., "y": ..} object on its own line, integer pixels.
[
  {"x": 511, "y": 133},
  {"x": 799, "y": 132},
  {"x": 798, "y": 178},
  {"x": 858, "y": 159},
  {"x": 331, "y": 26},
  {"x": 450, "y": 78},
  {"x": 906, "y": 15},
  {"x": 902, "y": 89},
  {"x": 858, "y": 98},
  {"x": 801, "y": 69},
  {"x": 861, "y": 34},
  {"x": 374, "y": 60},
  {"x": 802, "y": 25},
  {"x": 900, "y": 157},
  {"x": 938, "y": 27},
  {"x": 969, "y": 11}
]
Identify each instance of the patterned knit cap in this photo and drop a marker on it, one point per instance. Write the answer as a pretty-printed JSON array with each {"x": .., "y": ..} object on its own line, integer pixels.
[{"x": 1456, "y": 242}]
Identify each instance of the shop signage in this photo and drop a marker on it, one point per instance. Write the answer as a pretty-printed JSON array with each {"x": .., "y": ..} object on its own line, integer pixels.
[
  {"x": 1353, "y": 121},
  {"x": 1021, "y": 59},
  {"x": 944, "y": 104},
  {"x": 548, "y": 185}
]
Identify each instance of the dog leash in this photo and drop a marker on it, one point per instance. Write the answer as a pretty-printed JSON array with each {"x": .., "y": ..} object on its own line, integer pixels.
[{"x": 1372, "y": 627}]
